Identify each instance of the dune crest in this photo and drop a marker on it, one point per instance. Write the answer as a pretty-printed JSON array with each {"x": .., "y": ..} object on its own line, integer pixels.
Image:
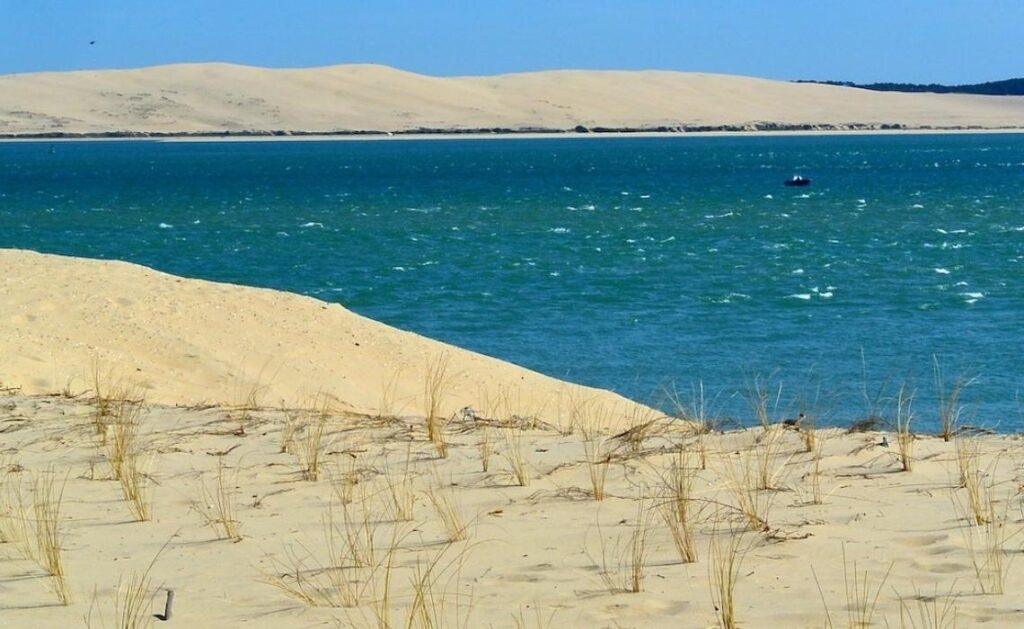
[
  {"x": 218, "y": 98},
  {"x": 193, "y": 342}
]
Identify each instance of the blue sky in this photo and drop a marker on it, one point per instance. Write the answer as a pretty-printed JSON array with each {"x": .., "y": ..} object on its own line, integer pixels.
[{"x": 949, "y": 41}]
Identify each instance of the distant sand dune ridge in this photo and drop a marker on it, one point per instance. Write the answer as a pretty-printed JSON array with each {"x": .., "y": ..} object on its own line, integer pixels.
[
  {"x": 190, "y": 342},
  {"x": 216, "y": 97}
]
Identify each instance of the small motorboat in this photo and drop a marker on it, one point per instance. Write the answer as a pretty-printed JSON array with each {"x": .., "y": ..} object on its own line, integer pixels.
[{"x": 797, "y": 180}]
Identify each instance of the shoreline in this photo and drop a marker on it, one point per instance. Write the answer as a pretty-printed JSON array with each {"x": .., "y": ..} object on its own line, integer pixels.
[{"x": 504, "y": 134}]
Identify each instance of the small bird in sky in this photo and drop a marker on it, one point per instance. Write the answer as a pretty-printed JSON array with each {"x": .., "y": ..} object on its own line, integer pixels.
[{"x": 92, "y": 42}]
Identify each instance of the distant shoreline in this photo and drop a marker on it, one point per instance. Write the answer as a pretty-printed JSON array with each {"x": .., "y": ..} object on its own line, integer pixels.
[{"x": 770, "y": 129}]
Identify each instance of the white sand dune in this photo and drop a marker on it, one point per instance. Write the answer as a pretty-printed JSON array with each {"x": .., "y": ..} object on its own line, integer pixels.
[
  {"x": 217, "y": 97},
  {"x": 192, "y": 342}
]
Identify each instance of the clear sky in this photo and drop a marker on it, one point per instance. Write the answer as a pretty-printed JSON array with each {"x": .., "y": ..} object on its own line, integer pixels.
[{"x": 945, "y": 41}]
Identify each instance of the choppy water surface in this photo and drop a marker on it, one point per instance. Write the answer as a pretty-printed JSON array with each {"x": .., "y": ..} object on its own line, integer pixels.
[{"x": 626, "y": 263}]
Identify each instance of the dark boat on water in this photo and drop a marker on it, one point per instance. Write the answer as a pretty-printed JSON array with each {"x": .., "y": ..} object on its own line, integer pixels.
[{"x": 797, "y": 180}]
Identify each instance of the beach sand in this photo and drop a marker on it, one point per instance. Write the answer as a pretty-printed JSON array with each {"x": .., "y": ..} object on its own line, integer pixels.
[
  {"x": 346, "y": 509},
  {"x": 548, "y": 549},
  {"x": 225, "y": 98}
]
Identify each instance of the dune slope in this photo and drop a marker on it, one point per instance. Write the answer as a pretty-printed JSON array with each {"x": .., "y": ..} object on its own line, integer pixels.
[
  {"x": 190, "y": 342},
  {"x": 211, "y": 98}
]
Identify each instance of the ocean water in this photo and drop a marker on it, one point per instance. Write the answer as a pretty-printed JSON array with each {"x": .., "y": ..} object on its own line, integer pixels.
[{"x": 636, "y": 264}]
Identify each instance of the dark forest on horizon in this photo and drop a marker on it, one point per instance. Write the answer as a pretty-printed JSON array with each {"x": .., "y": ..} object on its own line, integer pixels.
[{"x": 1007, "y": 87}]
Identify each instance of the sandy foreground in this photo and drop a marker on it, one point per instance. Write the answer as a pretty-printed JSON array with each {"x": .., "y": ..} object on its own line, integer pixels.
[
  {"x": 217, "y": 98},
  {"x": 388, "y": 513},
  {"x": 307, "y": 505}
]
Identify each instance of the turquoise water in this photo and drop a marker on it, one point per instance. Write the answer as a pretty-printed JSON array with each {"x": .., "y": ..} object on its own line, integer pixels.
[{"x": 628, "y": 263}]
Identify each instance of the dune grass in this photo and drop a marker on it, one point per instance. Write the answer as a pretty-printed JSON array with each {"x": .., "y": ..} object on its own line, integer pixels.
[
  {"x": 123, "y": 430},
  {"x": 948, "y": 395},
  {"x": 345, "y": 478},
  {"x": 133, "y": 599},
  {"x": 817, "y": 451},
  {"x": 764, "y": 396},
  {"x": 446, "y": 506},
  {"x": 598, "y": 459},
  {"x": 861, "y": 603},
  {"x": 136, "y": 487},
  {"x": 217, "y": 506},
  {"x": 14, "y": 516},
  {"x": 934, "y": 611},
  {"x": 766, "y": 453},
  {"x": 904, "y": 436},
  {"x": 513, "y": 452},
  {"x": 47, "y": 500},
  {"x": 399, "y": 489},
  {"x": 985, "y": 537},
  {"x": 676, "y": 505},
  {"x": 623, "y": 562},
  {"x": 310, "y": 445},
  {"x": 436, "y": 381},
  {"x": 486, "y": 447},
  {"x": 726, "y": 559}
]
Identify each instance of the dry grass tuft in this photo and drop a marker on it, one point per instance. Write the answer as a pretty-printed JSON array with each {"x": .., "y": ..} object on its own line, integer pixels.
[
  {"x": 436, "y": 381},
  {"x": 539, "y": 620},
  {"x": 311, "y": 444},
  {"x": 47, "y": 500},
  {"x": 860, "y": 602},
  {"x": 950, "y": 408},
  {"x": 513, "y": 453},
  {"x": 399, "y": 489},
  {"x": 486, "y": 445},
  {"x": 135, "y": 486},
  {"x": 985, "y": 538},
  {"x": 123, "y": 420},
  {"x": 743, "y": 477},
  {"x": 447, "y": 507},
  {"x": 217, "y": 507},
  {"x": 676, "y": 506},
  {"x": 123, "y": 430},
  {"x": 312, "y": 582},
  {"x": 14, "y": 518},
  {"x": 905, "y": 438},
  {"x": 764, "y": 396},
  {"x": 723, "y": 574},
  {"x": 937, "y": 611},
  {"x": 979, "y": 495},
  {"x": 343, "y": 569},
  {"x": 968, "y": 452},
  {"x": 769, "y": 447},
  {"x": 623, "y": 562},
  {"x": 816, "y": 456},
  {"x": 598, "y": 458},
  {"x": 345, "y": 479},
  {"x": 434, "y": 605},
  {"x": 133, "y": 599},
  {"x": 288, "y": 430}
]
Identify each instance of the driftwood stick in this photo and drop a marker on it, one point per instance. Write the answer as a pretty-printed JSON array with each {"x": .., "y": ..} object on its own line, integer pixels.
[{"x": 167, "y": 606}]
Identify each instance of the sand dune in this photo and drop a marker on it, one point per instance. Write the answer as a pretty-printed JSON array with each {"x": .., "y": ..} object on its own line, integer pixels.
[
  {"x": 205, "y": 98},
  {"x": 191, "y": 342},
  {"x": 312, "y": 553}
]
